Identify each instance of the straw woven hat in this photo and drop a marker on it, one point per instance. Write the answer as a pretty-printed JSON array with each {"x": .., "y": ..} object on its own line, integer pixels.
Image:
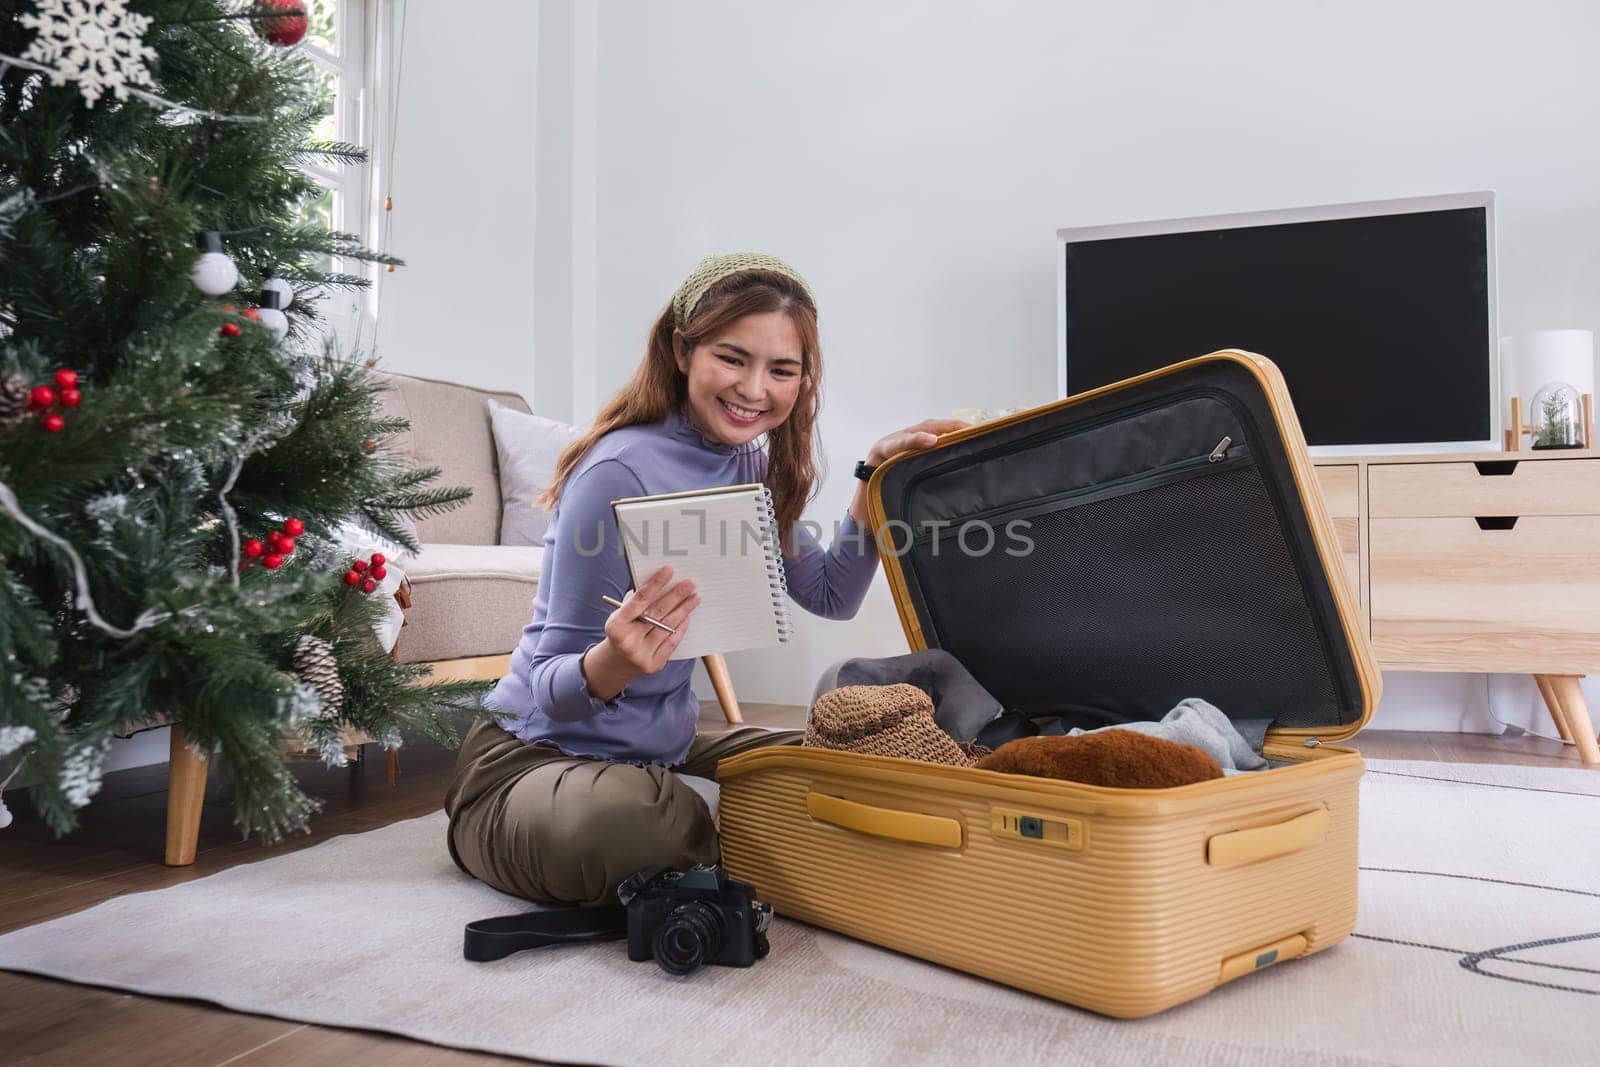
[{"x": 883, "y": 720}]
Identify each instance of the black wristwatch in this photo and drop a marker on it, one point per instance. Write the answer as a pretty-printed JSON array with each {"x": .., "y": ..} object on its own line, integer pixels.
[{"x": 863, "y": 471}]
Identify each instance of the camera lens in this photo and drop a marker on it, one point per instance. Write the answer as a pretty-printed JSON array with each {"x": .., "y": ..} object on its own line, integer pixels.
[{"x": 687, "y": 937}]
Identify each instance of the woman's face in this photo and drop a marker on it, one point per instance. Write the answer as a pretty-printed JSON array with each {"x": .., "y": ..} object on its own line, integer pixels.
[{"x": 743, "y": 381}]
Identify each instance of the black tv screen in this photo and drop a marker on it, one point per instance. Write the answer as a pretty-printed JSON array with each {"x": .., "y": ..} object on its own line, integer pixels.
[{"x": 1380, "y": 324}]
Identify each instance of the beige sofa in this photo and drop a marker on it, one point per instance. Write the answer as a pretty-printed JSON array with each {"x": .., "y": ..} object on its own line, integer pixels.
[{"x": 470, "y": 595}]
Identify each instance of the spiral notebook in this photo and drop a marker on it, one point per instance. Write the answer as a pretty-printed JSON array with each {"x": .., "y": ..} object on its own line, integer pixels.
[{"x": 725, "y": 541}]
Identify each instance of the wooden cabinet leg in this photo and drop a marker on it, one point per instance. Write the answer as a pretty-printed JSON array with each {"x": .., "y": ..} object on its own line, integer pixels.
[
  {"x": 1553, "y": 704},
  {"x": 722, "y": 682},
  {"x": 1576, "y": 711},
  {"x": 186, "y": 793},
  {"x": 393, "y": 764}
]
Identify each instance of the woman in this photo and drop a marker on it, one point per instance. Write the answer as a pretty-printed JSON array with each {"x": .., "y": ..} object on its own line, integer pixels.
[{"x": 576, "y": 788}]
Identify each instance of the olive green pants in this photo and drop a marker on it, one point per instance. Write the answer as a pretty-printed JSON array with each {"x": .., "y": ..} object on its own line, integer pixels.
[{"x": 535, "y": 822}]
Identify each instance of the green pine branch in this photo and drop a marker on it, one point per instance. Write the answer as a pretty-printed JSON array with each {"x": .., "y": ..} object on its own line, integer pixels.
[{"x": 341, "y": 152}]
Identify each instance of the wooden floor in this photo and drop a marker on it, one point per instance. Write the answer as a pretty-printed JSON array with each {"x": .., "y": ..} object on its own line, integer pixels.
[{"x": 118, "y": 850}]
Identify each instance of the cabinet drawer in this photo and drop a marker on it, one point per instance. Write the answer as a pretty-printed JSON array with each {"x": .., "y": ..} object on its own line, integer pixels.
[
  {"x": 1342, "y": 493},
  {"x": 1447, "y": 595},
  {"x": 1533, "y": 487}
]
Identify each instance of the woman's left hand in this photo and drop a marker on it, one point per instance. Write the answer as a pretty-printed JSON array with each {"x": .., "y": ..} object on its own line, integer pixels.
[{"x": 912, "y": 439}]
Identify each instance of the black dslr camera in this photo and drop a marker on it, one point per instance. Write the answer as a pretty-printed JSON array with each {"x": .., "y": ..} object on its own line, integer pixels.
[{"x": 682, "y": 919}]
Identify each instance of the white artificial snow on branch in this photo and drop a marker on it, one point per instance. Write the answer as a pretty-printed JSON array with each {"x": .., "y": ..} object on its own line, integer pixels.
[{"x": 83, "y": 601}]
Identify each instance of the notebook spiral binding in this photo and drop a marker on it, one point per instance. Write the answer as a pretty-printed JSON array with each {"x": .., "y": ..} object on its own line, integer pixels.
[{"x": 777, "y": 581}]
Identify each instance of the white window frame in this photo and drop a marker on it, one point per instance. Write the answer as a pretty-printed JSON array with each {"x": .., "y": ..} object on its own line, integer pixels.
[{"x": 363, "y": 44}]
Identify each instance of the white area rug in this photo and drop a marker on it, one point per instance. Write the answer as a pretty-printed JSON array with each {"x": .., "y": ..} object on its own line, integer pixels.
[{"x": 1478, "y": 942}]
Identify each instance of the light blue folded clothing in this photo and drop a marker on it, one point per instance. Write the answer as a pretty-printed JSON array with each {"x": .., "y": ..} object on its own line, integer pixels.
[{"x": 1201, "y": 724}]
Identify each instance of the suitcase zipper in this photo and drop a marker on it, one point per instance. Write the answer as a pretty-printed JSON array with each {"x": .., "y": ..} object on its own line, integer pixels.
[
  {"x": 1341, "y": 690},
  {"x": 1224, "y": 455},
  {"x": 986, "y": 454}
]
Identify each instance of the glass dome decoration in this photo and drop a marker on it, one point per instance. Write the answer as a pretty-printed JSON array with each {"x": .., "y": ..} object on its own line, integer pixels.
[{"x": 1556, "y": 417}]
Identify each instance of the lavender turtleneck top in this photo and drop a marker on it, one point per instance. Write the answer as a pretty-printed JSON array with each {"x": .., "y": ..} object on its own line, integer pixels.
[{"x": 546, "y": 697}]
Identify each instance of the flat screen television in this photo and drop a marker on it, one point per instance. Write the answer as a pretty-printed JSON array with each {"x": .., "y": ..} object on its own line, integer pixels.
[{"x": 1381, "y": 315}]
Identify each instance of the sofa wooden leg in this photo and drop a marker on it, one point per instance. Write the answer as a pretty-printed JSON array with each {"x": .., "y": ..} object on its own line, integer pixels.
[
  {"x": 1552, "y": 703},
  {"x": 1576, "y": 711},
  {"x": 722, "y": 682},
  {"x": 186, "y": 793}
]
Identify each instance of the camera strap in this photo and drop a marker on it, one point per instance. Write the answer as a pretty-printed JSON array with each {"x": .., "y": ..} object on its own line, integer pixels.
[{"x": 493, "y": 939}]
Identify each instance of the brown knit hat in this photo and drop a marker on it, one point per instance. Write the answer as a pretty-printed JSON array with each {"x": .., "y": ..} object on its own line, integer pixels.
[{"x": 883, "y": 720}]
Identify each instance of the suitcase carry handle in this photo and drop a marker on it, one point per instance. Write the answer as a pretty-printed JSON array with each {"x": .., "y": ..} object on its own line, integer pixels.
[
  {"x": 909, "y": 826},
  {"x": 1264, "y": 842}
]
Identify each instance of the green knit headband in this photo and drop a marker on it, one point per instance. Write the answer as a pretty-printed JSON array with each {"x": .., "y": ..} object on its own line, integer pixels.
[{"x": 713, "y": 269}]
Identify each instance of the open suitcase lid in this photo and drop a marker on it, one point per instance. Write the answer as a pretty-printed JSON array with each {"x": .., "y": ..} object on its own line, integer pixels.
[{"x": 1108, "y": 555}]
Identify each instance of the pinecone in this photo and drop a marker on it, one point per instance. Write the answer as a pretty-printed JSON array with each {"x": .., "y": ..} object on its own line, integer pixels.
[
  {"x": 316, "y": 665},
  {"x": 13, "y": 400}
]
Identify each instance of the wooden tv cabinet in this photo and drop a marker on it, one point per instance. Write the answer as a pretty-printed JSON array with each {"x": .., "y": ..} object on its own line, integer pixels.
[{"x": 1485, "y": 562}]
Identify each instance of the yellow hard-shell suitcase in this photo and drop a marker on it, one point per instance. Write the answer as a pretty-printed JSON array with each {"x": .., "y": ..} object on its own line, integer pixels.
[{"x": 1179, "y": 546}]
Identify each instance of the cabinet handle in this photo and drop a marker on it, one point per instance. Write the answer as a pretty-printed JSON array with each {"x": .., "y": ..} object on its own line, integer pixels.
[{"x": 1496, "y": 522}]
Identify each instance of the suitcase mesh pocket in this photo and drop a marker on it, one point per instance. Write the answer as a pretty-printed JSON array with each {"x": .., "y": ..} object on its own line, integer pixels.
[{"x": 1126, "y": 605}]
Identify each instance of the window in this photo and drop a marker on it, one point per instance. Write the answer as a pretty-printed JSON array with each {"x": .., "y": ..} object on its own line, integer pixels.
[{"x": 338, "y": 44}]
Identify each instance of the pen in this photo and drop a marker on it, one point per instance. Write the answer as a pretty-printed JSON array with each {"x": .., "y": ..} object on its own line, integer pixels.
[{"x": 657, "y": 623}]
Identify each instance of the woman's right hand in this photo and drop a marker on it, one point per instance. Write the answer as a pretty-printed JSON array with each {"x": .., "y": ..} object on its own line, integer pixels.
[
  {"x": 632, "y": 646},
  {"x": 645, "y": 647}
]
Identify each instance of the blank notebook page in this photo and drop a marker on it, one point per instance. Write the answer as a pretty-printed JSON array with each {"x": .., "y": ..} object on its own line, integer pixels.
[{"x": 722, "y": 540}]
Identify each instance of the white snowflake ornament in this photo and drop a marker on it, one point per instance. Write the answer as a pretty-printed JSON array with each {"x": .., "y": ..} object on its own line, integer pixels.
[{"x": 98, "y": 44}]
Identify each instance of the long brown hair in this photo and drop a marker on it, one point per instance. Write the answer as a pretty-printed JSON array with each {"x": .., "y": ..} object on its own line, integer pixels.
[{"x": 658, "y": 387}]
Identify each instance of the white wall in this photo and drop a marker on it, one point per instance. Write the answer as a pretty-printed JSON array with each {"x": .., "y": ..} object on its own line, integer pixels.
[
  {"x": 915, "y": 159},
  {"x": 463, "y": 183}
]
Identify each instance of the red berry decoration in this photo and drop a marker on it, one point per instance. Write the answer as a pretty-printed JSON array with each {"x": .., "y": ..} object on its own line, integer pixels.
[
  {"x": 286, "y": 545},
  {"x": 66, "y": 379},
  {"x": 379, "y": 559},
  {"x": 252, "y": 314},
  {"x": 379, "y": 572},
  {"x": 368, "y": 585},
  {"x": 253, "y": 548},
  {"x": 71, "y": 398},
  {"x": 54, "y": 423},
  {"x": 229, "y": 329},
  {"x": 359, "y": 566},
  {"x": 352, "y": 578},
  {"x": 293, "y": 527},
  {"x": 41, "y": 397},
  {"x": 273, "y": 561},
  {"x": 286, "y": 29}
]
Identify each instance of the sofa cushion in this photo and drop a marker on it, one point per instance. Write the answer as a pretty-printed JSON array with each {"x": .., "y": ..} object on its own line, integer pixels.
[
  {"x": 467, "y": 600},
  {"x": 528, "y": 447},
  {"x": 450, "y": 430}
]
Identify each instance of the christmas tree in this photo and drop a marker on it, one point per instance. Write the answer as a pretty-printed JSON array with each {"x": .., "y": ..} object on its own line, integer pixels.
[{"x": 177, "y": 466}]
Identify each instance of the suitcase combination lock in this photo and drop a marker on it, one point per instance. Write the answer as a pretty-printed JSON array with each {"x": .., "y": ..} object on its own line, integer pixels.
[{"x": 1057, "y": 830}]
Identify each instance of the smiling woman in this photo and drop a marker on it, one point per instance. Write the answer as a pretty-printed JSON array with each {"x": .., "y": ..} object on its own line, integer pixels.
[{"x": 574, "y": 792}]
